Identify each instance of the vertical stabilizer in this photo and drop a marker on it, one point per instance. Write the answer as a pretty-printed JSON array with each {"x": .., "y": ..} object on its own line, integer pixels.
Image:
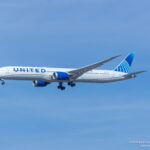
[{"x": 125, "y": 65}]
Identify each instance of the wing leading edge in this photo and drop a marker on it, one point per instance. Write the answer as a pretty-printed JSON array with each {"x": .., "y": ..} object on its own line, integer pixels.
[{"x": 74, "y": 74}]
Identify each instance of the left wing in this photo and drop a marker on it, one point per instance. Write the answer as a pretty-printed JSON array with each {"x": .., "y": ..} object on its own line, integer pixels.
[{"x": 74, "y": 74}]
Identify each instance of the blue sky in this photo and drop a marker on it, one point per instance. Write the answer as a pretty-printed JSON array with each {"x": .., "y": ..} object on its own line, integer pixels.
[{"x": 74, "y": 33}]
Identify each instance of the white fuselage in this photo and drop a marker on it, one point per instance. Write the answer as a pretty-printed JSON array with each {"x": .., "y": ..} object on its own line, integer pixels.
[{"x": 46, "y": 74}]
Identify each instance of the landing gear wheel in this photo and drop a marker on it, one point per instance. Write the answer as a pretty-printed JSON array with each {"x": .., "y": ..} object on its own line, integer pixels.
[
  {"x": 63, "y": 88},
  {"x": 71, "y": 84},
  {"x": 59, "y": 87}
]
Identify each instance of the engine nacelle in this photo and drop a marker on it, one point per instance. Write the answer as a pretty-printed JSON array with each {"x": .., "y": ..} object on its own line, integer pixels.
[
  {"x": 38, "y": 83},
  {"x": 61, "y": 76}
]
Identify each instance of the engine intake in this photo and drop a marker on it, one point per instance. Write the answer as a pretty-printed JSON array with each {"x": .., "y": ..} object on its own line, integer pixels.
[
  {"x": 38, "y": 83},
  {"x": 61, "y": 76}
]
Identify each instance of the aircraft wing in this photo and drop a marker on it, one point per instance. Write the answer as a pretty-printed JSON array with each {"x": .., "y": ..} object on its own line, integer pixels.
[
  {"x": 74, "y": 74},
  {"x": 133, "y": 75}
]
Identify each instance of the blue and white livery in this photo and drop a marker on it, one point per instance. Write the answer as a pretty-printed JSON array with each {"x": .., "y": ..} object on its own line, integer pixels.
[{"x": 42, "y": 76}]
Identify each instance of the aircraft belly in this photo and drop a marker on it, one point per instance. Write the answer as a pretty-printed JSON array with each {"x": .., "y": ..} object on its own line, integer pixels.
[{"x": 98, "y": 78}]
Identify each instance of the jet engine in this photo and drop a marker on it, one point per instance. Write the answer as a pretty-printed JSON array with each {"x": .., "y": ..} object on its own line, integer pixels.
[
  {"x": 61, "y": 76},
  {"x": 38, "y": 83}
]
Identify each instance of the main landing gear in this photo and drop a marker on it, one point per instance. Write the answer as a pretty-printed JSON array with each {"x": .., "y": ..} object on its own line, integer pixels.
[
  {"x": 61, "y": 87},
  {"x": 71, "y": 84}
]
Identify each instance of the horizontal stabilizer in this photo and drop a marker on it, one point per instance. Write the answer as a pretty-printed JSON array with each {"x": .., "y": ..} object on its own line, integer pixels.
[{"x": 133, "y": 75}]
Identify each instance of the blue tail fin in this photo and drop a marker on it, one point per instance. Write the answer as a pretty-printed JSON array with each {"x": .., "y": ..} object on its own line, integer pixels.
[{"x": 125, "y": 64}]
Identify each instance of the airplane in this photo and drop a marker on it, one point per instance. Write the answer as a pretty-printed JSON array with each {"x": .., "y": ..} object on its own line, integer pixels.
[{"x": 43, "y": 76}]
